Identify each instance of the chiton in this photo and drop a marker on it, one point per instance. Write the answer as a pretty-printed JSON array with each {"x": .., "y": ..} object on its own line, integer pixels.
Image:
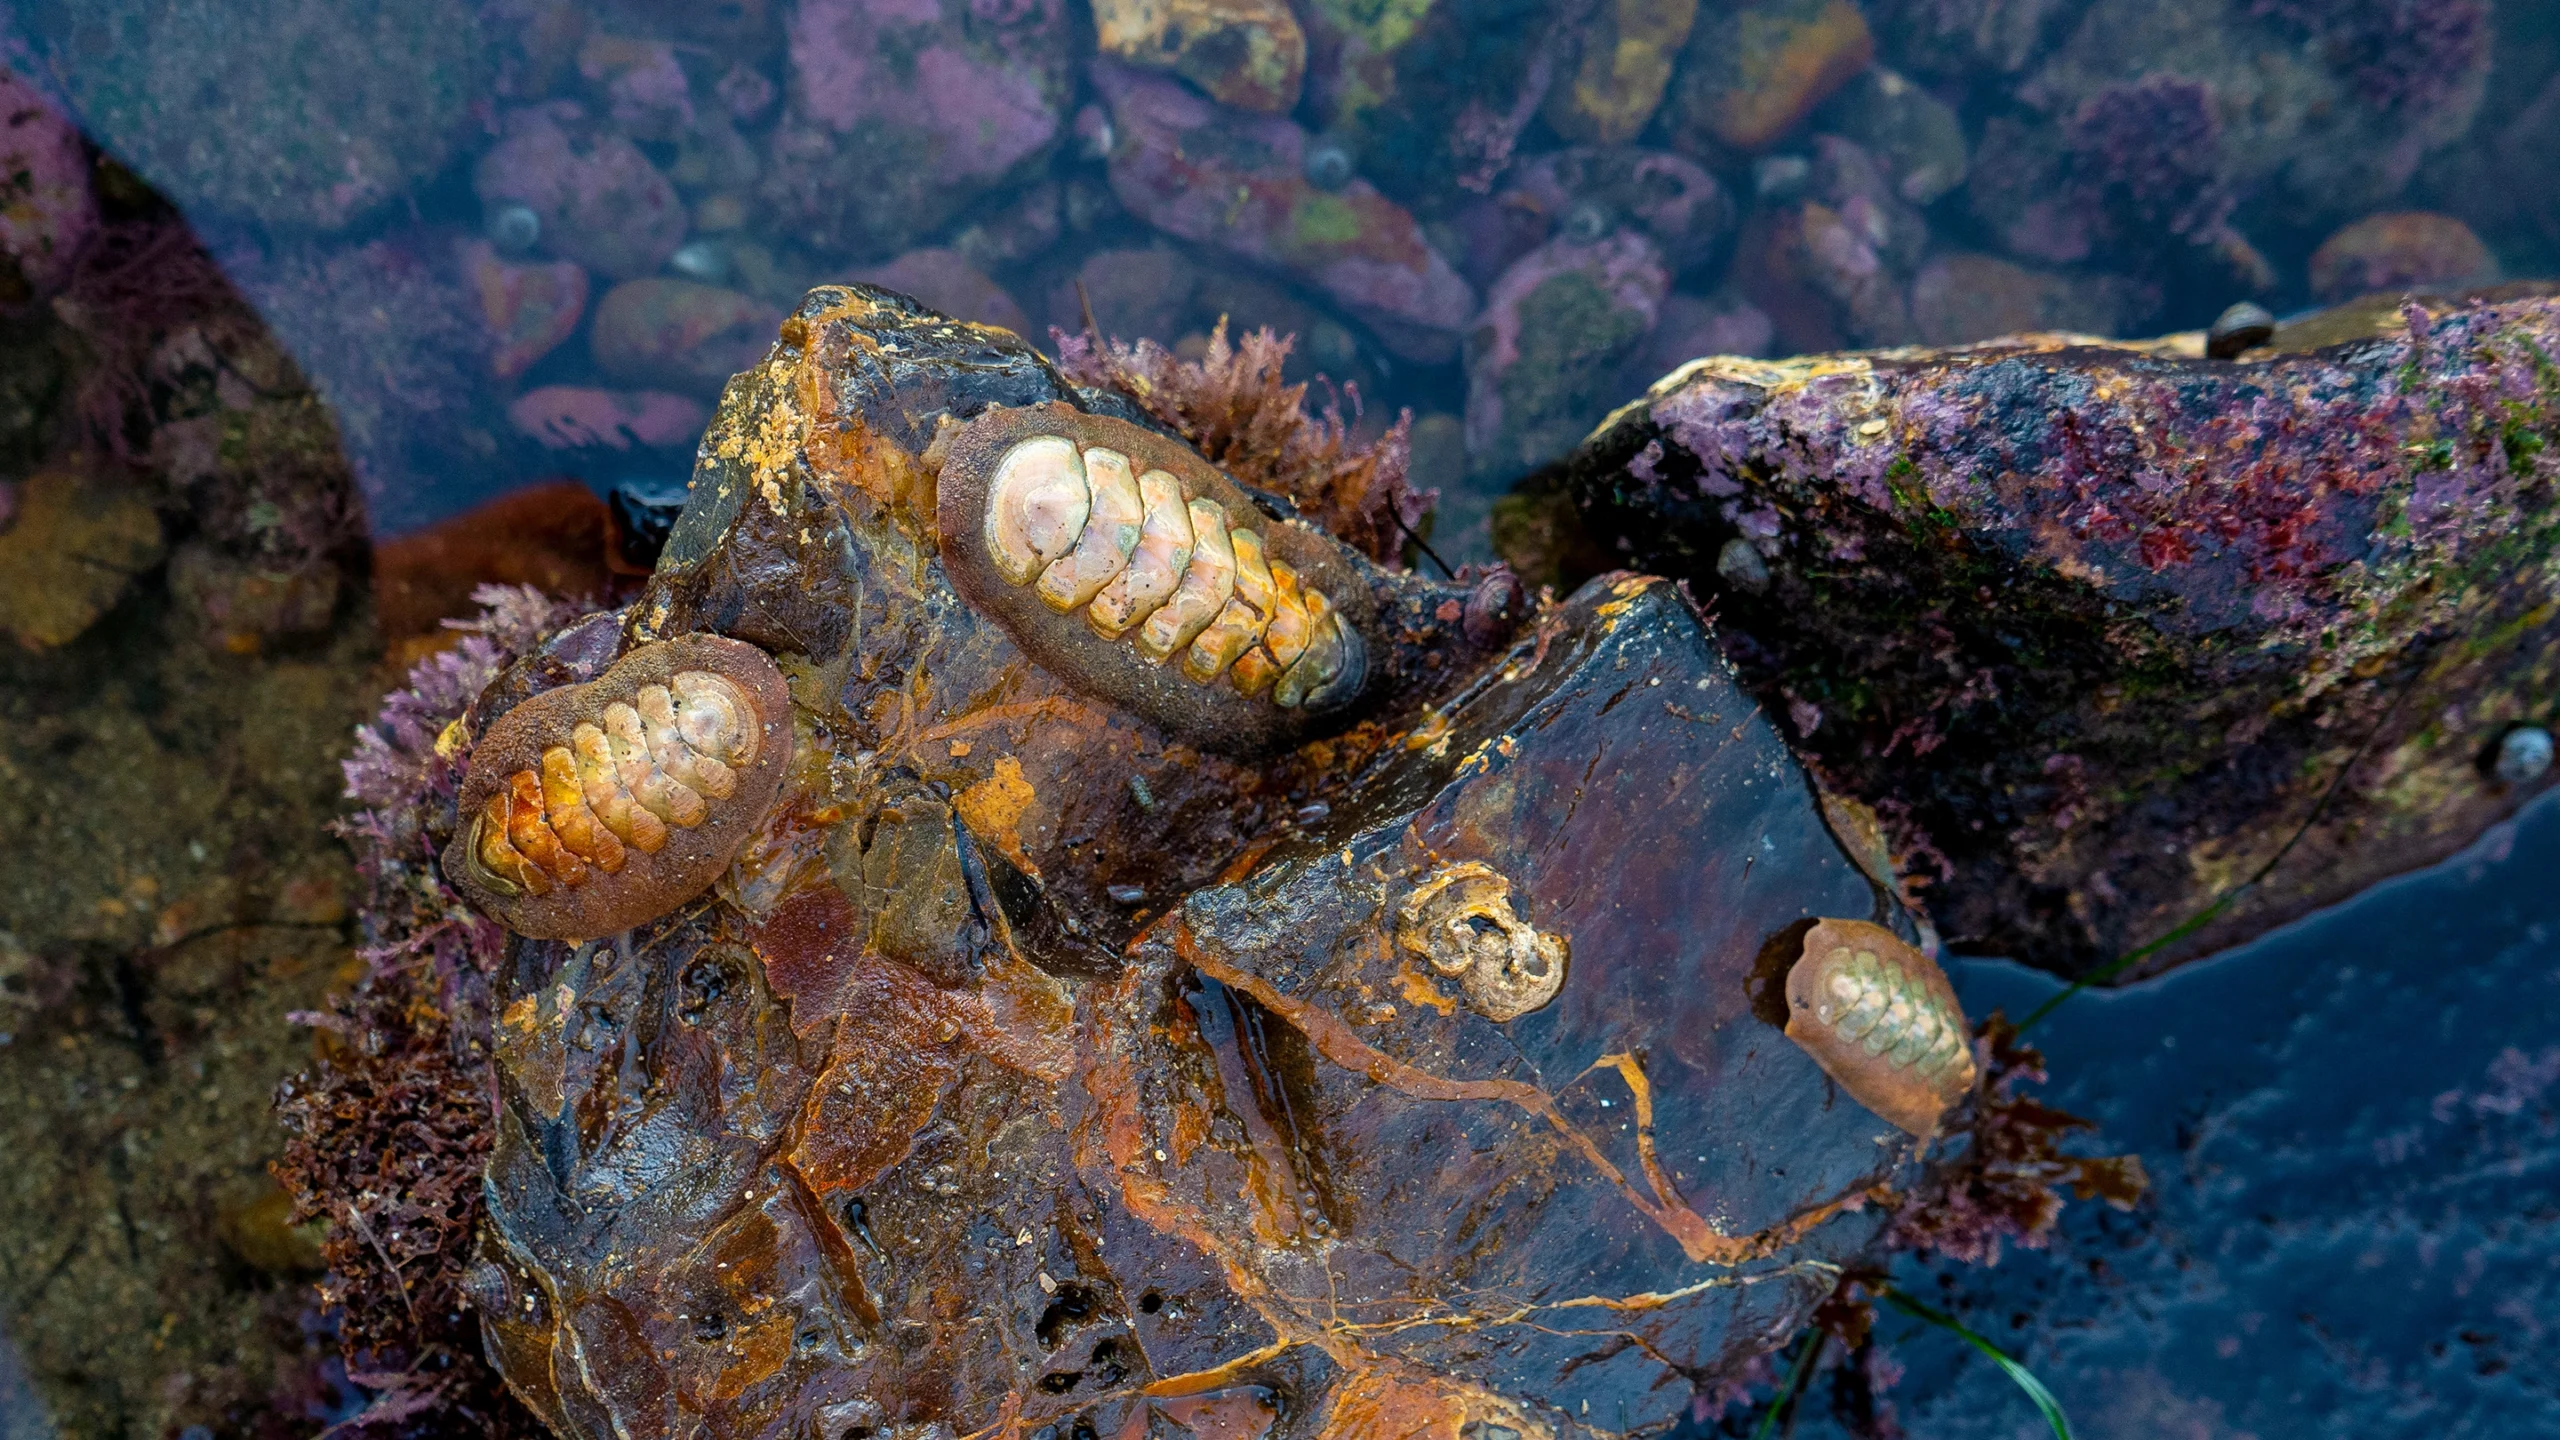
[
  {"x": 589, "y": 809},
  {"x": 1880, "y": 1018},
  {"x": 1130, "y": 567}
]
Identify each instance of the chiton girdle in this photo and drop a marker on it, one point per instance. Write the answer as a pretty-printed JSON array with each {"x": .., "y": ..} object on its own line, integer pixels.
[{"x": 592, "y": 808}]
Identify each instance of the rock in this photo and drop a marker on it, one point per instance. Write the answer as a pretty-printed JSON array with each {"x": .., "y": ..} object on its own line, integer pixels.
[
  {"x": 343, "y": 108},
  {"x": 78, "y": 541},
  {"x": 1963, "y": 41},
  {"x": 529, "y": 309},
  {"x": 1690, "y": 326},
  {"x": 393, "y": 342},
  {"x": 1676, "y": 203},
  {"x": 2111, "y": 620},
  {"x": 1134, "y": 293},
  {"x": 1625, "y": 64},
  {"x": 946, "y": 281},
  {"x": 2317, "y": 112},
  {"x": 571, "y": 417},
  {"x": 679, "y": 334},
  {"x": 262, "y": 1233},
  {"x": 1835, "y": 268},
  {"x": 1433, "y": 98},
  {"x": 47, "y": 210},
  {"x": 553, "y": 536},
  {"x": 1246, "y": 53},
  {"x": 1961, "y": 297},
  {"x": 1915, "y": 136},
  {"x": 900, "y": 112},
  {"x": 599, "y": 200},
  {"x": 1238, "y": 182},
  {"x": 237, "y": 604},
  {"x": 647, "y": 96},
  {"x": 1557, "y": 329},
  {"x": 2411, "y": 248},
  {"x": 863, "y": 1099},
  {"x": 1752, "y": 73}
]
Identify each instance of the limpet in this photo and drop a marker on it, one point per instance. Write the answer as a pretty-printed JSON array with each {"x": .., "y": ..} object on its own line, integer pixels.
[
  {"x": 589, "y": 809},
  {"x": 1132, "y": 568},
  {"x": 1880, "y": 1018}
]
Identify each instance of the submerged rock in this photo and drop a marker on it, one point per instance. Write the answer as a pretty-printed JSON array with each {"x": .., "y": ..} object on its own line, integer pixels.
[
  {"x": 1239, "y": 182},
  {"x": 1756, "y": 70},
  {"x": 1543, "y": 363},
  {"x": 2129, "y": 645},
  {"x": 1247, "y": 53},
  {"x": 1036, "y": 1068},
  {"x": 595, "y": 198},
  {"x": 2403, "y": 249},
  {"x": 76, "y": 540}
]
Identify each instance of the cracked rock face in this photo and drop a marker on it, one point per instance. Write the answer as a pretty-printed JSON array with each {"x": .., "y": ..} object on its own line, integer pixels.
[{"x": 1034, "y": 1072}]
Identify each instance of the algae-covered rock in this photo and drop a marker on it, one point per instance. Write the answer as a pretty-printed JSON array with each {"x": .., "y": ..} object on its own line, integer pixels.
[
  {"x": 1036, "y": 1068},
  {"x": 341, "y": 108},
  {"x": 2130, "y": 647},
  {"x": 1543, "y": 363},
  {"x": 79, "y": 538}
]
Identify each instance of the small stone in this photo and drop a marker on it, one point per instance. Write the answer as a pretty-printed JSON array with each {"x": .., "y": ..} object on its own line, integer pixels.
[
  {"x": 237, "y": 603},
  {"x": 595, "y": 197},
  {"x": 680, "y": 335},
  {"x": 2241, "y": 328},
  {"x": 262, "y": 1233},
  {"x": 529, "y": 309},
  {"x": 1751, "y": 73},
  {"x": 571, "y": 417},
  {"x": 1741, "y": 566},
  {"x": 1916, "y": 135},
  {"x": 78, "y": 542},
  {"x": 1627, "y": 53},
  {"x": 1247, "y": 53},
  {"x": 1962, "y": 297},
  {"x": 644, "y": 515},
  {"x": 945, "y": 280},
  {"x": 2524, "y": 755},
  {"x": 47, "y": 211},
  {"x": 2406, "y": 249}
]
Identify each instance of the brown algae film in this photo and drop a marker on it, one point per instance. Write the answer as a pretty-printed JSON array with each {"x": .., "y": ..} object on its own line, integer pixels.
[
  {"x": 1880, "y": 1018},
  {"x": 592, "y": 808},
  {"x": 1130, "y": 567}
]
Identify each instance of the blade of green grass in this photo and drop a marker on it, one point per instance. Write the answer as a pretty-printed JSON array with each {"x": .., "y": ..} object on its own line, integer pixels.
[
  {"x": 1786, "y": 1392},
  {"x": 2025, "y": 1379}
]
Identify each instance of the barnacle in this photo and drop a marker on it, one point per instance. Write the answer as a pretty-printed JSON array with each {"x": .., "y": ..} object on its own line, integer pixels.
[
  {"x": 1172, "y": 571},
  {"x": 595, "y": 807},
  {"x": 1880, "y": 1018},
  {"x": 1463, "y": 922}
]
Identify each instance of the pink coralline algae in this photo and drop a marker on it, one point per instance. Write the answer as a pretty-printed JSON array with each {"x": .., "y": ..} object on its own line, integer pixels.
[
  {"x": 569, "y": 417},
  {"x": 902, "y": 111},
  {"x": 2399, "y": 52},
  {"x": 47, "y": 213},
  {"x": 600, "y": 202},
  {"x": 2112, "y": 621},
  {"x": 1239, "y": 182}
]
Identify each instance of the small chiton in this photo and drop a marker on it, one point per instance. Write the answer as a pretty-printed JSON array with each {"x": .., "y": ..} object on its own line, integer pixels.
[
  {"x": 591, "y": 808},
  {"x": 1880, "y": 1018},
  {"x": 1132, "y": 568}
]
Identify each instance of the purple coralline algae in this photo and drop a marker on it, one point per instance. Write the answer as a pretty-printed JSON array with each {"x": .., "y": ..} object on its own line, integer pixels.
[
  {"x": 1543, "y": 362},
  {"x": 47, "y": 212},
  {"x": 901, "y": 111},
  {"x": 1238, "y": 182},
  {"x": 597, "y": 198},
  {"x": 2131, "y": 647}
]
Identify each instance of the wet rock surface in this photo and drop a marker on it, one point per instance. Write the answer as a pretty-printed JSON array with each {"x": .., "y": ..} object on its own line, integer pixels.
[
  {"x": 2128, "y": 644},
  {"x": 1034, "y": 1069}
]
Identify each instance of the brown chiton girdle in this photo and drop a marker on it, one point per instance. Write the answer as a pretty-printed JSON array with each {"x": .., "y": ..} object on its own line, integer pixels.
[
  {"x": 1130, "y": 567},
  {"x": 1881, "y": 1019},
  {"x": 589, "y": 809}
]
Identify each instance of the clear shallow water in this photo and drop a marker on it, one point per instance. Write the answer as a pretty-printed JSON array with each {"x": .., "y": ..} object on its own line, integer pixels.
[{"x": 2353, "y": 1138}]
